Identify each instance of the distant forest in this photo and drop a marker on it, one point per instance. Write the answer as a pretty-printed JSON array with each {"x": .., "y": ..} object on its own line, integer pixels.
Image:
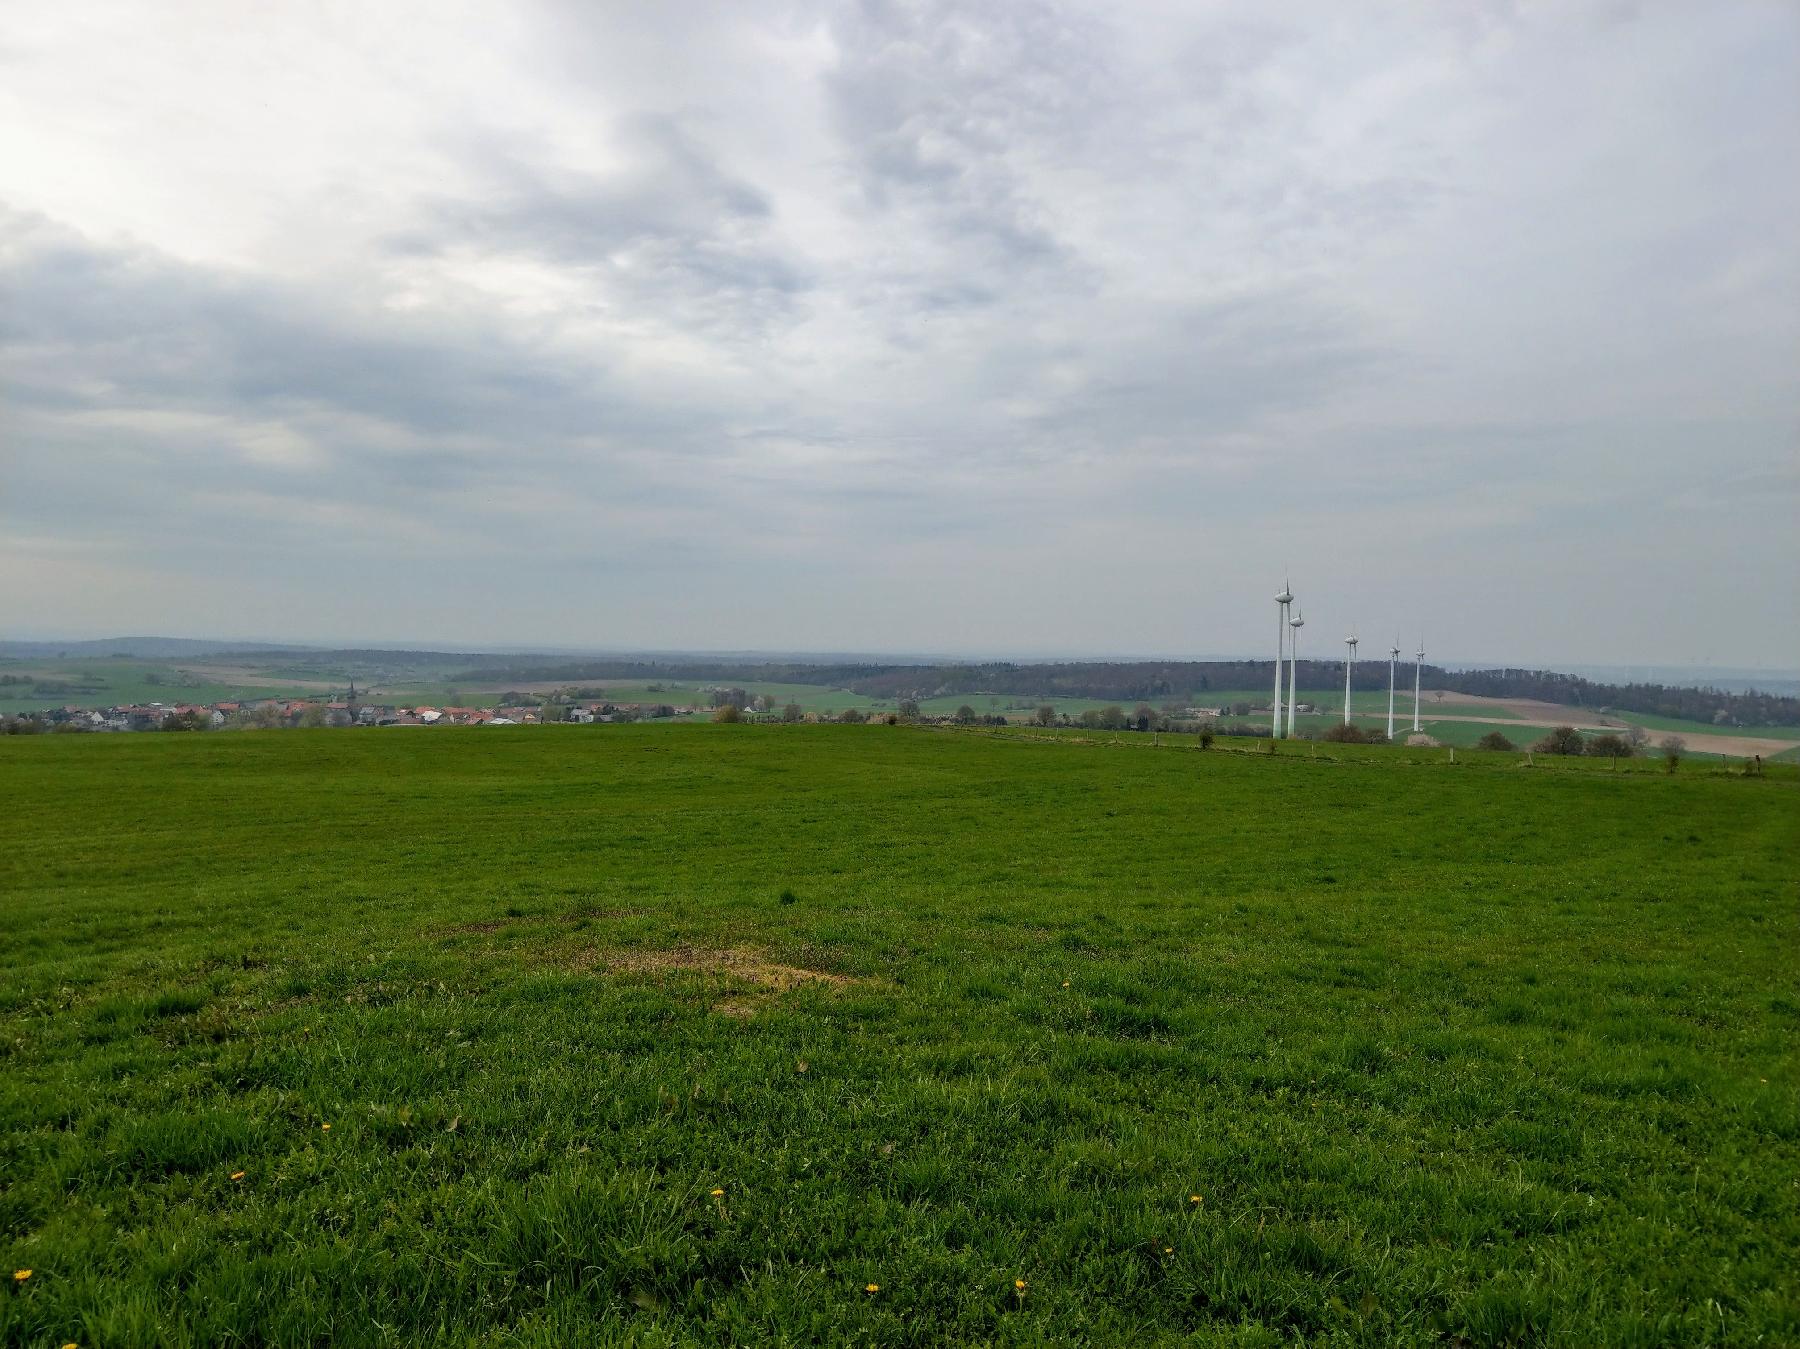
[{"x": 1160, "y": 681}]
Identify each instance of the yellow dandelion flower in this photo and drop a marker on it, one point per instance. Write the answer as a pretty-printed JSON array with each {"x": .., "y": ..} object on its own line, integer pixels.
[
  {"x": 325, "y": 1128},
  {"x": 20, "y": 1275},
  {"x": 1019, "y": 1285},
  {"x": 1065, "y": 983},
  {"x": 1193, "y": 1199},
  {"x": 1168, "y": 1250},
  {"x": 872, "y": 1288},
  {"x": 718, "y": 1194},
  {"x": 237, "y": 1175}
]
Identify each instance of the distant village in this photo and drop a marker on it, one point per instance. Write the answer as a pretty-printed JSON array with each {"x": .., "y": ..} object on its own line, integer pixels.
[
  {"x": 272, "y": 713},
  {"x": 571, "y": 706},
  {"x": 588, "y": 704}
]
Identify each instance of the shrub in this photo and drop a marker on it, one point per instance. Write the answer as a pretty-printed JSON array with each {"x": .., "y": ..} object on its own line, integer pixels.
[
  {"x": 1610, "y": 746},
  {"x": 727, "y": 712},
  {"x": 1494, "y": 740},
  {"x": 1672, "y": 747},
  {"x": 851, "y": 717},
  {"x": 1563, "y": 740}
]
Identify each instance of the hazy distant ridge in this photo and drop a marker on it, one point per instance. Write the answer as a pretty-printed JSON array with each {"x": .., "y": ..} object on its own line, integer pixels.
[{"x": 141, "y": 648}]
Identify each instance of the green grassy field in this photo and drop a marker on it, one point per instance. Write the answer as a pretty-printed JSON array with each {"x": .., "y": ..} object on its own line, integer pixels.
[
  {"x": 1459, "y": 733},
  {"x": 106, "y": 681},
  {"x": 1454, "y": 755},
  {"x": 1370, "y": 708},
  {"x": 1680, "y": 727},
  {"x": 673, "y": 1034},
  {"x": 1364, "y": 703}
]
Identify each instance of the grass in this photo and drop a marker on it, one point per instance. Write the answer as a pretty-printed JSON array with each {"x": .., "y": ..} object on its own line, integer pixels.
[
  {"x": 1372, "y": 708},
  {"x": 664, "y": 1034},
  {"x": 106, "y": 681},
  {"x": 1364, "y": 703},
  {"x": 811, "y": 697},
  {"x": 1462, "y": 734},
  {"x": 1680, "y": 727}
]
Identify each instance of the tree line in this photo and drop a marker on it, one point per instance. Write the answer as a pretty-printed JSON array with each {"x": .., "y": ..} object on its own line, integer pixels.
[{"x": 1160, "y": 681}]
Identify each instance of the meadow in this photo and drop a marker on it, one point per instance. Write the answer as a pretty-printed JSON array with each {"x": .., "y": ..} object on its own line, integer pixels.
[
  {"x": 105, "y": 681},
  {"x": 669, "y": 1034},
  {"x": 91, "y": 681}
]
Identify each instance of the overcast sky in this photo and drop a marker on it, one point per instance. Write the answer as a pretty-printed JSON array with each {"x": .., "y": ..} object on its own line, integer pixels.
[{"x": 988, "y": 328}]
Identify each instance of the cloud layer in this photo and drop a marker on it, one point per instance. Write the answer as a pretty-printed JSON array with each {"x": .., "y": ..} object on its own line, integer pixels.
[{"x": 985, "y": 329}]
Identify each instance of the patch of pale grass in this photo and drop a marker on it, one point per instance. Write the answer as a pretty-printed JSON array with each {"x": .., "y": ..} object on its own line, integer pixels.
[{"x": 764, "y": 977}]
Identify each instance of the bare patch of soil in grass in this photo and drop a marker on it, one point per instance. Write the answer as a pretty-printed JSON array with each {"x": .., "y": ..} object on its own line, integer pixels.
[{"x": 765, "y": 977}]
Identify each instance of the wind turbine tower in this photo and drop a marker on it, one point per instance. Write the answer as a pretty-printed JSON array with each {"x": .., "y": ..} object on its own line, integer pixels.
[
  {"x": 1297, "y": 622},
  {"x": 1393, "y": 665},
  {"x": 1416, "y": 664},
  {"x": 1285, "y": 598},
  {"x": 1349, "y": 664}
]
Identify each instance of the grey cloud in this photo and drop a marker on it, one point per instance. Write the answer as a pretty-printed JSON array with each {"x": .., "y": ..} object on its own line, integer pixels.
[
  {"x": 91, "y": 326},
  {"x": 143, "y": 396},
  {"x": 1049, "y": 307},
  {"x": 670, "y": 226},
  {"x": 935, "y": 105}
]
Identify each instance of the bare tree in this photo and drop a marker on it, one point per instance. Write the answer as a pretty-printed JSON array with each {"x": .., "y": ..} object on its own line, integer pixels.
[{"x": 1672, "y": 747}]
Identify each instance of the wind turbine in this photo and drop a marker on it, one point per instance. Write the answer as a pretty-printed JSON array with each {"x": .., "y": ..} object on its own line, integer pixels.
[
  {"x": 1285, "y": 598},
  {"x": 1297, "y": 622},
  {"x": 1393, "y": 665},
  {"x": 1349, "y": 662},
  {"x": 1416, "y": 664}
]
